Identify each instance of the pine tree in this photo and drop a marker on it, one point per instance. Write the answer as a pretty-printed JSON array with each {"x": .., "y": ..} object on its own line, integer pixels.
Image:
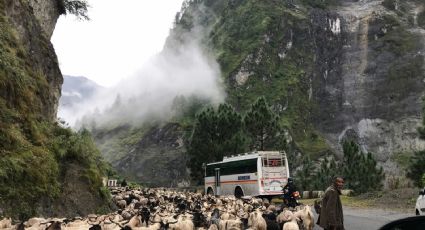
[
  {"x": 417, "y": 163},
  {"x": 360, "y": 170},
  {"x": 417, "y": 168},
  {"x": 304, "y": 175},
  {"x": 216, "y": 134},
  {"x": 262, "y": 125},
  {"x": 323, "y": 176},
  {"x": 202, "y": 148}
]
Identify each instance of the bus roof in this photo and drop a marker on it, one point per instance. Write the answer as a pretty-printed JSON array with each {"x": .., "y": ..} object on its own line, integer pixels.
[{"x": 249, "y": 155}]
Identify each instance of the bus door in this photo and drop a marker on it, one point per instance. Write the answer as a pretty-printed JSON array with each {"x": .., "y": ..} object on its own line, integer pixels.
[{"x": 217, "y": 181}]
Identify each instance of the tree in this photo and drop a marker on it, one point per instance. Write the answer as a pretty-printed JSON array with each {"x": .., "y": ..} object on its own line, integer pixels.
[
  {"x": 262, "y": 125},
  {"x": 304, "y": 175},
  {"x": 216, "y": 134},
  {"x": 230, "y": 134},
  {"x": 417, "y": 163},
  {"x": 78, "y": 8},
  {"x": 417, "y": 168},
  {"x": 359, "y": 169},
  {"x": 324, "y": 175}
]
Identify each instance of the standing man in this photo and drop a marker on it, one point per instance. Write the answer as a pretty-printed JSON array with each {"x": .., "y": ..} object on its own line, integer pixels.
[{"x": 331, "y": 216}]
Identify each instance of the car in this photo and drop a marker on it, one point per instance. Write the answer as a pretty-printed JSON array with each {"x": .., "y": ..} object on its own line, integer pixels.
[
  {"x": 409, "y": 223},
  {"x": 420, "y": 203}
]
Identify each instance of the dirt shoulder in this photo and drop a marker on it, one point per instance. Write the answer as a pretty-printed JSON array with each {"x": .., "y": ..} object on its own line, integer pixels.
[{"x": 399, "y": 199}]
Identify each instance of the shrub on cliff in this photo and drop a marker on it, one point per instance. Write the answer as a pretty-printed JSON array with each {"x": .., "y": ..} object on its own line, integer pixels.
[
  {"x": 75, "y": 7},
  {"x": 360, "y": 170},
  {"x": 416, "y": 166}
]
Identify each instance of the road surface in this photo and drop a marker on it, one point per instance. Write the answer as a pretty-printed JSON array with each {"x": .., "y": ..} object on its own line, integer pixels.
[{"x": 367, "y": 219}]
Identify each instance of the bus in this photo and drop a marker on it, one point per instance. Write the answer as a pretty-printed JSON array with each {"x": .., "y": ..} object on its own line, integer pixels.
[{"x": 259, "y": 173}]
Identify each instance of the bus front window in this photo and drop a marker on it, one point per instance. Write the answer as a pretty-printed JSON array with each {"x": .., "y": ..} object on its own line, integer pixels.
[{"x": 274, "y": 163}]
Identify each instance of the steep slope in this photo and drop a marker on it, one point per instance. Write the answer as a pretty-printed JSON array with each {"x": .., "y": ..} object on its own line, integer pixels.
[
  {"x": 352, "y": 71},
  {"x": 332, "y": 70},
  {"x": 38, "y": 155},
  {"x": 373, "y": 96}
]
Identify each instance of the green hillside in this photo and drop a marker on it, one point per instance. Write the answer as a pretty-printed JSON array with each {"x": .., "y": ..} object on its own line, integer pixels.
[
  {"x": 37, "y": 153},
  {"x": 331, "y": 70}
]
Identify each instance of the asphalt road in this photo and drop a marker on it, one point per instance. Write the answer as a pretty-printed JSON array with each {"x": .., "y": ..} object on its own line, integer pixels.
[{"x": 367, "y": 219}]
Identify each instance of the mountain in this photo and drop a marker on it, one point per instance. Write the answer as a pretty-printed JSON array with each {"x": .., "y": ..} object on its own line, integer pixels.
[
  {"x": 333, "y": 71},
  {"x": 76, "y": 90},
  {"x": 45, "y": 168}
]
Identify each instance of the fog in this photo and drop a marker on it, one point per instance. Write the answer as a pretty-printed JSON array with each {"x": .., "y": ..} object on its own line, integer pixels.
[{"x": 184, "y": 70}]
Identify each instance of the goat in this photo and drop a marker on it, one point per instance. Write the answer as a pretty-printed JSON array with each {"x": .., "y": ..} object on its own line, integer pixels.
[
  {"x": 256, "y": 221},
  {"x": 307, "y": 217}
]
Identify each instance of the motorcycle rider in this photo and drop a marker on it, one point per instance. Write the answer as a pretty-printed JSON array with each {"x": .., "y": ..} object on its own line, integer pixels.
[{"x": 288, "y": 190}]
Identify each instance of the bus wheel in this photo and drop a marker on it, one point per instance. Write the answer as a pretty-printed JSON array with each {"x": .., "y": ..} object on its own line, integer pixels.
[
  {"x": 210, "y": 191},
  {"x": 238, "y": 192}
]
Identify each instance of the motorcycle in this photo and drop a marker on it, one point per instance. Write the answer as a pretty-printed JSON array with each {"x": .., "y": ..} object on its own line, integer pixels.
[{"x": 291, "y": 200}]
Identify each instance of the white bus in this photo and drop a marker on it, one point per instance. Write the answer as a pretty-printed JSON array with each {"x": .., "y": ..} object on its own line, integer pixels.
[{"x": 261, "y": 173}]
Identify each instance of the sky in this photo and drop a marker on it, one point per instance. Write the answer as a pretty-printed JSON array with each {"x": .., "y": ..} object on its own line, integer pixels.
[
  {"x": 120, "y": 48},
  {"x": 120, "y": 37}
]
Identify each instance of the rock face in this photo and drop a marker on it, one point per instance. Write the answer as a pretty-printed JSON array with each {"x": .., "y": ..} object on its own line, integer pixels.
[
  {"x": 47, "y": 13},
  {"x": 352, "y": 71},
  {"x": 44, "y": 180},
  {"x": 371, "y": 79},
  {"x": 158, "y": 159},
  {"x": 36, "y": 42}
]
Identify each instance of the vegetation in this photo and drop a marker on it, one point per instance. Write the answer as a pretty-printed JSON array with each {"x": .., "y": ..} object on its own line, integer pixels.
[
  {"x": 223, "y": 132},
  {"x": 76, "y": 7},
  {"x": 251, "y": 35},
  {"x": 421, "y": 19},
  {"x": 358, "y": 169},
  {"x": 323, "y": 176},
  {"x": 215, "y": 134},
  {"x": 304, "y": 176},
  {"x": 416, "y": 166},
  {"x": 35, "y": 151},
  {"x": 262, "y": 126},
  {"x": 322, "y": 4}
]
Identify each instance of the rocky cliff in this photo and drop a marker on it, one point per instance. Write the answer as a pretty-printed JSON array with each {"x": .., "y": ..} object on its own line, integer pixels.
[
  {"x": 369, "y": 78},
  {"x": 47, "y": 13},
  {"x": 332, "y": 70},
  {"x": 31, "y": 36},
  {"x": 43, "y": 164}
]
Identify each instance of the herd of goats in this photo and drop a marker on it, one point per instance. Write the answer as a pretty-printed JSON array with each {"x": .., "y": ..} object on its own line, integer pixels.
[{"x": 157, "y": 209}]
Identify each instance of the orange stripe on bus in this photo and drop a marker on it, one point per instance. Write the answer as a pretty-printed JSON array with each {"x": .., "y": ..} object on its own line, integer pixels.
[
  {"x": 235, "y": 182},
  {"x": 274, "y": 178}
]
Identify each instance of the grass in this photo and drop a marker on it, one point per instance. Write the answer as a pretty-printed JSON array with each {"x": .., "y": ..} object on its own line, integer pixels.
[
  {"x": 403, "y": 199},
  {"x": 33, "y": 149}
]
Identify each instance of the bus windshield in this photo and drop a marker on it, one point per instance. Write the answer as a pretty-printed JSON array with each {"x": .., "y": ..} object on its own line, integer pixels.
[{"x": 272, "y": 163}]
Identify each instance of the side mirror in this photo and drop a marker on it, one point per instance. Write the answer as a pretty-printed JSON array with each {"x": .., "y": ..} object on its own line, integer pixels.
[
  {"x": 421, "y": 193},
  {"x": 409, "y": 223}
]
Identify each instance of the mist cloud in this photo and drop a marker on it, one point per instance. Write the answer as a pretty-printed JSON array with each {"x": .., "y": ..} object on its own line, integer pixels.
[{"x": 186, "y": 70}]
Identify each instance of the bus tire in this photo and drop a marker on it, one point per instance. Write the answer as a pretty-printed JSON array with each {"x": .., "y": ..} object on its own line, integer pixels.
[
  {"x": 210, "y": 191},
  {"x": 238, "y": 192}
]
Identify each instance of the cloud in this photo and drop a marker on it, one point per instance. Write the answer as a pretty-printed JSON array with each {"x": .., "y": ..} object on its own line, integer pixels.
[
  {"x": 187, "y": 70},
  {"x": 183, "y": 68}
]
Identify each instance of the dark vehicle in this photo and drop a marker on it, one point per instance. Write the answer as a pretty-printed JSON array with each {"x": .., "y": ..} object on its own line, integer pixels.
[
  {"x": 292, "y": 200},
  {"x": 290, "y": 194},
  {"x": 409, "y": 223}
]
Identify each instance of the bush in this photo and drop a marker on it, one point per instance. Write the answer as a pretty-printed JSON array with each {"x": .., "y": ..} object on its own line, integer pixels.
[
  {"x": 421, "y": 19},
  {"x": 416, "y": 169},
  {"x": 75, "y": 7},
  {"x": 359, "y": 169}
]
